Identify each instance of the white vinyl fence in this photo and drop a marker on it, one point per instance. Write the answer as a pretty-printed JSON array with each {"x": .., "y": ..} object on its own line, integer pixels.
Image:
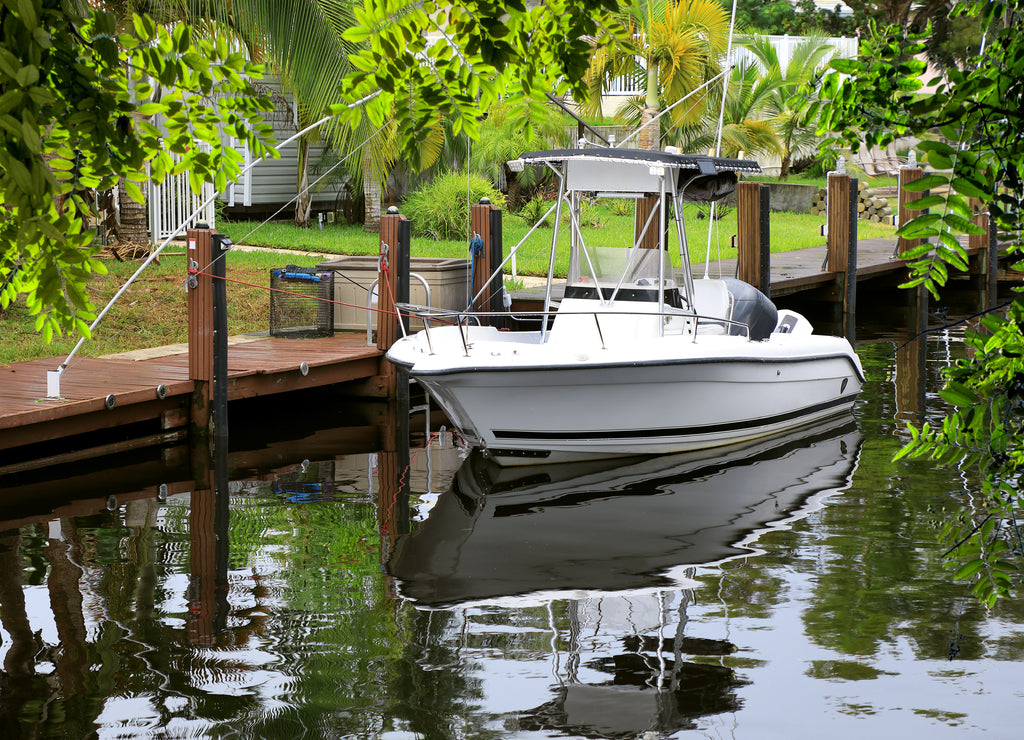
[
  {"x": 783, "y": 45},
  {"x": 171, "y": 203}
]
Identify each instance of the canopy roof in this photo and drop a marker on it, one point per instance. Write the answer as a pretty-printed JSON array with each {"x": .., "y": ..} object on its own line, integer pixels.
[{"x": 639, "y": 171}]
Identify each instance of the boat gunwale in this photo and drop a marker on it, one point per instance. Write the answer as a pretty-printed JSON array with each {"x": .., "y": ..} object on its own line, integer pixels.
[{"x": 476, "y": 369}]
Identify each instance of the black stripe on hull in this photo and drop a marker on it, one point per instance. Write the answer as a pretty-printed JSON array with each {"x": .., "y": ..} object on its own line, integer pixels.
[{"x": 504, "y": 434}]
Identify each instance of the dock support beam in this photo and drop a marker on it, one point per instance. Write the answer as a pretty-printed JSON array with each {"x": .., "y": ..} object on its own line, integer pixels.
[
  {"x": 208, "y": 334},
  {"x": 392, "y": 288},
  {"x": 987, "y": 247},
  {"x": 906, "y": 176},
  {"x": 753, "y": 235},
  {"x": 485, "y": 222},
  {"x": 199, "y": 257},
  {"x": 841, "y": 245}
]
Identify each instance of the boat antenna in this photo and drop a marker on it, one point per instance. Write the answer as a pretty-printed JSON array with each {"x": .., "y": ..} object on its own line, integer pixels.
[{"x": 721, "y": 125}]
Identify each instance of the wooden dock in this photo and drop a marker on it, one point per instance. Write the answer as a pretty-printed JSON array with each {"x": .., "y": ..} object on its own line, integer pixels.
[
  {"x": 118, "y": 403},
  {"x": 801, "y": 271},
  {"x": 151, "y": 396}
]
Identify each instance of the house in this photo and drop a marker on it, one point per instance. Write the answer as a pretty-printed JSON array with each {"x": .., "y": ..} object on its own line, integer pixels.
[{"x": 269, "y": 189}]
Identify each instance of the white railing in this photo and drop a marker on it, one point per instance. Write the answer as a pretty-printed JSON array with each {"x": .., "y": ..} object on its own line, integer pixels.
[
  {"x": 783, "y": 45},
  {"x": 171, "y": 204}
]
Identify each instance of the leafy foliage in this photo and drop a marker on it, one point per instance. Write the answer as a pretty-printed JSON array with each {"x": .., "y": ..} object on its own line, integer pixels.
[
  {"x": 457, "y": 59},
  {"x": 506, "y": 135},
  {"x": 978, "y": 112},
  {"x": 441, "y": 207},
  {"x": 680, "y": 46},
  {"x": 77, "y": 105}
]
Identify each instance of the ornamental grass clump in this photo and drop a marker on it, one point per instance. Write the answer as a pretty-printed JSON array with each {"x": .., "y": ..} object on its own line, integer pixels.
[{"x": 441, "y": 208}]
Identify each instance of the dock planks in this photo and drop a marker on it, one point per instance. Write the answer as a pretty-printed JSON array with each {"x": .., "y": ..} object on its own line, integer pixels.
[{"x": 262, "y": 367}]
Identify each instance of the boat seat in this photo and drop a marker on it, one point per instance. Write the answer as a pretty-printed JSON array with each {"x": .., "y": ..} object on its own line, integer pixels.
[{"x": 712, "y": 301}]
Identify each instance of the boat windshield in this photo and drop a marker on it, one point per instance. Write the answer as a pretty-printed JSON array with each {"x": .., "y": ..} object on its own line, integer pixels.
[{"x": 636, "y": 268}]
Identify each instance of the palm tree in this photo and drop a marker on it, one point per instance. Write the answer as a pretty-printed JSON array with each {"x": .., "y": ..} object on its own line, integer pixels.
[
  {"x": 745, "y": 124},
  {"x": 301, "y": 41},
  {"x": 791, "y": 110},
  {"x": 679, "y": 46},
  {"x": 505, "y": 136}
]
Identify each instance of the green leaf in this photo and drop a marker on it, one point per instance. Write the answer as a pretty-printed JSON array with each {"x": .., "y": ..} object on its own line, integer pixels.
[
  {"x": 968, "y": 570},
  {"x": 970, "y": 189},
  {"x": 958, "y": 394},
  {"x": 928, "y": 201},
  {"x": 926, "y": 183}
]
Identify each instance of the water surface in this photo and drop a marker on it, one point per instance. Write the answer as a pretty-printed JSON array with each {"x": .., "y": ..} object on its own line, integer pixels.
[{"x": 313, "y": 586}]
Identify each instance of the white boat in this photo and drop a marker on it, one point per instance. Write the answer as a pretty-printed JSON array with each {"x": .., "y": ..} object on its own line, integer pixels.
[{"x": 637, "y": 357}]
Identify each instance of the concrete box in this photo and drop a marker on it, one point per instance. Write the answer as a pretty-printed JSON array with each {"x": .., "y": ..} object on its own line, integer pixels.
[{"x": 353, "y": 277}]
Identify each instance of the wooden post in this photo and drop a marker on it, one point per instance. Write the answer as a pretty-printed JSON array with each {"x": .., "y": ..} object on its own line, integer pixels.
[
  {"x": 906, "y": 197},
  {"x": 497, "y": 249},
  {"x": 644, "y": 206},
  {"x": 753, "y": 235},
  {"x": 992, "y": 266},
  {"x": 841, "y": 244},
  {"x": 480, "y": 226},
  {"x": 986, "y": 245},
  {"x": 200, "y": 328},
  {"x": 219, "y": 246},
  {"x": 392, "y": 286}
]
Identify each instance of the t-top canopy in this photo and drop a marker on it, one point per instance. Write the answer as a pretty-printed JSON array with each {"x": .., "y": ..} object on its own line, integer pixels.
[{"x": 638, "y": 171}]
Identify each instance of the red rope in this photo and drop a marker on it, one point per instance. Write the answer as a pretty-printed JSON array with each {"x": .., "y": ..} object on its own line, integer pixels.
[
  {"x": 291, "y": 292},
  {"x": 318, "y": 298}
]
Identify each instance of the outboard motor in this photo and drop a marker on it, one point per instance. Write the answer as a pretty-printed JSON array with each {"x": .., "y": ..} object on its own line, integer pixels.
[{"x": 753, "y": 308}]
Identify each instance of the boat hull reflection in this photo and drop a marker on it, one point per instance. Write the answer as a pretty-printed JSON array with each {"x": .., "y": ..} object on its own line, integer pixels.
[{"x": 602, "y": 526}]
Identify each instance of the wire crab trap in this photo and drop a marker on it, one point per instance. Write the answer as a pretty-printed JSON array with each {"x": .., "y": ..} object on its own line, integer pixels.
[{"x": 301, "y": 303}]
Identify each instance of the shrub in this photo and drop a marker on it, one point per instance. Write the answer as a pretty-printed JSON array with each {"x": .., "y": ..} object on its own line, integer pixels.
[
  {"x": 532, "y": 210},
  {"x": 622, "y": 206},
  {"x": 441, "y": 207}
]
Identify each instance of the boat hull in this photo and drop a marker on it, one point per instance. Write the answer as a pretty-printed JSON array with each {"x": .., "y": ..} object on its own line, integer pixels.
[{"x": 527, "y": 414}]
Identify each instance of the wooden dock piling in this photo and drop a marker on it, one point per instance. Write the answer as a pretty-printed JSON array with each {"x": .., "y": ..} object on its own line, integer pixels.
[
  {"x": 753, "y": 235},
  {"x": 841, "y": 245},
  {"x": 906, "y": 212},
  {"x": 485, "y": 222},
  {"x": 392, "y": 286},
  {"x": 199, "y": 256}
]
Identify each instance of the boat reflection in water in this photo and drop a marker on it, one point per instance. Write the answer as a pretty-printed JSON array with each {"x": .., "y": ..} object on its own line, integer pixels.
[{"x": 610, "y": 547}]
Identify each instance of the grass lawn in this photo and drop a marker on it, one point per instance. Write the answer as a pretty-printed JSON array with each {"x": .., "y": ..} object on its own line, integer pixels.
[
  {"x": 153, "y": 311},
  {"x": 788, "y": 231}
]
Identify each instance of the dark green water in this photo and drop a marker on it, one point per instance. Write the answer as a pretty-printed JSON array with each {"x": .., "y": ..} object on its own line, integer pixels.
[{"x": 791, "y": 589}]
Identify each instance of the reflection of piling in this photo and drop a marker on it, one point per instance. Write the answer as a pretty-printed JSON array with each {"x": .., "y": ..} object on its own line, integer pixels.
[
  {"x": 911, "y": 359},
  {"x": 753, "y": 240},
  {"x": 393, "y": 463},
  {"x": 209, "y": 516},
  {"x": 841, "y": 245}
]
